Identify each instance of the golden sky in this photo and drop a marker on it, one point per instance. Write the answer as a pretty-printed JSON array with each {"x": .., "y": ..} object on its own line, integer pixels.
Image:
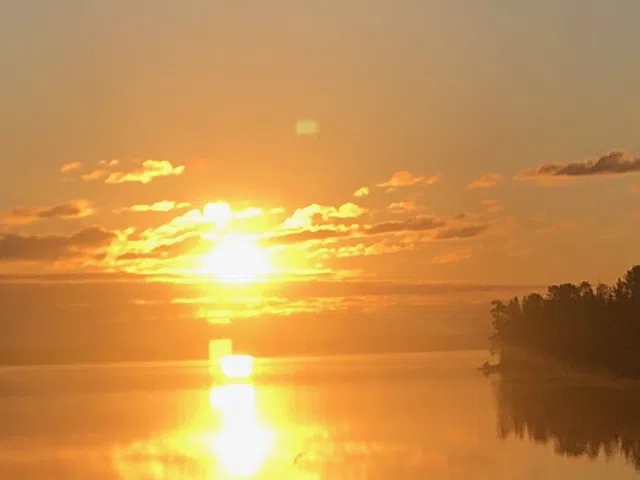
[{"x": 244, "y": 141}]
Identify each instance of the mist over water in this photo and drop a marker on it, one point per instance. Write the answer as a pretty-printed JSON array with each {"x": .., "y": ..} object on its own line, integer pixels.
[{"x": 363, "y": 417}]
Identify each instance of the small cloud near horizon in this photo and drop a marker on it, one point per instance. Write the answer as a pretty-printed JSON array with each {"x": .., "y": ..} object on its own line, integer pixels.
[
  {"x": 161, "y": 206},
  {"x": 613, "y": 163},
  {"x": 493, "y": 206},
  {"x": 406, "y": 206},
  {"x": 303, "y": 217},
  {"x": 439, "y": 228},
  {"x": 64, "y": 211},
  {"x": 70, "y": 167},
  {"x": 361, "y": 192},
  {"x": 488, "y": 180},
  {"x": 453, "y": 256},
  {"x": 146, "y": 172},
  {"x": 404, "y": 178},
  {"x": 82, "y": 244},
  {"x": 307, "y": 127}
]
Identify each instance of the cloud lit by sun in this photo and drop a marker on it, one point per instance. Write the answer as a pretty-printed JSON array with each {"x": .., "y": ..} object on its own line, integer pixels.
[
  {"x": 219, "y": 213},
  {"x": 238, "y": 259}
]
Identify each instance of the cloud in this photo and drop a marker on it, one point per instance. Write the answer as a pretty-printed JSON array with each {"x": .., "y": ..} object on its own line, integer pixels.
[
  {"x": 613, "y": 163},
  {"x": 366, "y": 250},
  {"x": 250, "y": 212},
  {"x": 83, "y": 243},
  {"x": 307, "y": 127},
  {"x": 162, "y": 206},
  {"x": 94, "y": 175},
  {"x": 442, "y": 228},
  {"x": 65, "y": 211},
  {"x": 190, "y": 245},
  {"x": 461, "y": 231},
  {"x": 453, "y": 257},
  {"x": 416, "y": 224},
  {"x": 493, "y": 206},
  {"x": 146, "y": 172},
  {"x": 70, "y": 167},
  {"x": 361, "y": 192},
  {"x": 303, "y": 217},
  {"x": 488, "y": 180},
  {"x": 211, "y": 220},
  {"x": 109, "y": 163},
  {"x": 404, "y": 178},
  {"x": 400, "y": 207},
  {"x": 327, "y": 232}
]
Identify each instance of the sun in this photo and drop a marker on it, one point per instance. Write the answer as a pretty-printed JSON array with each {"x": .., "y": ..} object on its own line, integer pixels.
[{"x": 238, "y": 259}]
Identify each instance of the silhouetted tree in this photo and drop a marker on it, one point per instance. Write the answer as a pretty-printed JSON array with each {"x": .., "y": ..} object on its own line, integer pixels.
[{"x": 573, "y": 323}]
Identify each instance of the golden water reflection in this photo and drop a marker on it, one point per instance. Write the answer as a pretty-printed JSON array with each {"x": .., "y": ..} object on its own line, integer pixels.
[{"x": 243, "y": 443}]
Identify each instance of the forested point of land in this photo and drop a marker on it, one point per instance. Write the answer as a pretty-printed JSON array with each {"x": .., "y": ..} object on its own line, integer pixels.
[{"x": 585, "y": 327}]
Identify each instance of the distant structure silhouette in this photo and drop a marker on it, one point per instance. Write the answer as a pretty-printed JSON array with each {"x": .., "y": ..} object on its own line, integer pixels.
[{"x": 595, "y": 330}]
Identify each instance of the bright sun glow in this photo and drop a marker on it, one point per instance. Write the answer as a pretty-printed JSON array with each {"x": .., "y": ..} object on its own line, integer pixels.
[
  {"x": 237, "y": 366},
  {"x": 219, "y": 213},
  {"x": 238, "y": 259}
]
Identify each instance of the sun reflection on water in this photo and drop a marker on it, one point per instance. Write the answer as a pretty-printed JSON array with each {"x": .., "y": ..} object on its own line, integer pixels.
[
  {"x": 236, "y": 430},
  {"x": 236, "y": 366},
  {"x": 243, "y": 443}
]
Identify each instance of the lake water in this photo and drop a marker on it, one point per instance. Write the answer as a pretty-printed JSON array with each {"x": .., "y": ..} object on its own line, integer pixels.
[{"x": 364, "y": 417}]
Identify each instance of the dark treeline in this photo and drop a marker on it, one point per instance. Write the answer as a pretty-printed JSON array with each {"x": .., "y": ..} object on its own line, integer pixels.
[
  {"x": 580, "y": 419},
  {"x": 586, "y": 327}
]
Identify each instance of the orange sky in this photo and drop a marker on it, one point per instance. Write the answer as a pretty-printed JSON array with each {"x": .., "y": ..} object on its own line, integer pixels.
[{"x": 418, "y": 143}]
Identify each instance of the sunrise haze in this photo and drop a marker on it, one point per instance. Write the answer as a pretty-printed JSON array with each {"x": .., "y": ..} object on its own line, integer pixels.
[{"x": 284, "y": 161}]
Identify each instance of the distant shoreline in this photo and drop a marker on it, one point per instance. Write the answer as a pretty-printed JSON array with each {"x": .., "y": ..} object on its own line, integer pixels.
[{"x": 205, "y": 360}]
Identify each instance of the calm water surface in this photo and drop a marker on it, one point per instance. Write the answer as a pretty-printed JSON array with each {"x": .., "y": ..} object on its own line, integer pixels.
[{"x": 370, "y": 417}]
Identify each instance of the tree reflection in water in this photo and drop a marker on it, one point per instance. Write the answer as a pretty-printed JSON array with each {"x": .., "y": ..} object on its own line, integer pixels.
[{"x": 581, "y": 417}]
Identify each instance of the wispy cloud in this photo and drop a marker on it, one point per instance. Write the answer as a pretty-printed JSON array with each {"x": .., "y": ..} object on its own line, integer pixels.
[
  {"x": 462, "y": 231},
  {"x": 613, "y": 163},
  {"x": 68, "y": 210},
  {"x": 441, "y": 228},
  {"x": 189, "y": 245},
  {"x": 146, "y": 172},
  {"x": 94, "y": 175},
  {"x": 307, "y": 127},
  {"x": 420, "y": 223},
  {"x": 326, "y": 232},
  {"x": 70, "y": 167},
  {"x": 404, "y": 178},
  {"x": 406, "y": 206},
  {"x": 109, "y": 163},
  {"x": 361, "y": 192},
  {"x": 488, "y": 180},
  {"x": 452, "y": 257},
  {"x": 493, "y": 206},
  {"x": 162, "y": 206},
  {"x": 366, "y": 250},
  {"x": 250, "y": 212},
  {"x": 305, "y": 216},
  {"x": 88, "y": 241}
]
